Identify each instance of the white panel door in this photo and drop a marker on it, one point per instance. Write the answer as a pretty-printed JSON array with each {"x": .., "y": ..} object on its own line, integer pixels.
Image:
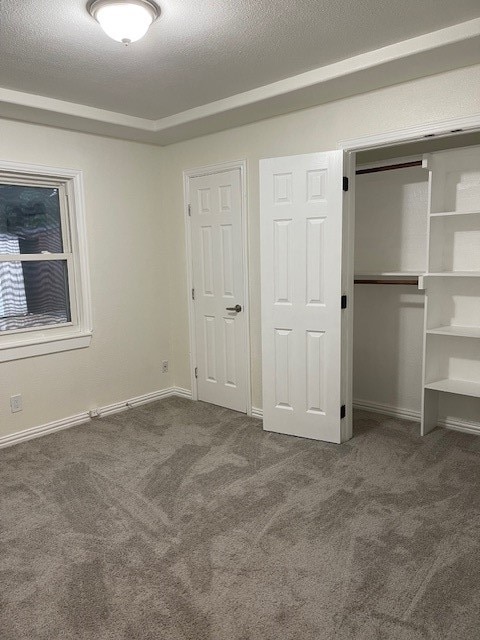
[
  {"x": 301, "y": 250},
  {"x": 218, "y": 280}
]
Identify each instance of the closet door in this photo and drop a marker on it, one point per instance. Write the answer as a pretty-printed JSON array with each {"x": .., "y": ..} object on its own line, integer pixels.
[{"x": 301, "y": 215}]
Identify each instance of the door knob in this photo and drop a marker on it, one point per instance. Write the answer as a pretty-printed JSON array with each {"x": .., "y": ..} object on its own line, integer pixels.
[{"x": 236, "y": 308}]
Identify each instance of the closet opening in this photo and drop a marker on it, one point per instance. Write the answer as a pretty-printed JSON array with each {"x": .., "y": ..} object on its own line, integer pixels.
[{"x": 416, "y": 326}]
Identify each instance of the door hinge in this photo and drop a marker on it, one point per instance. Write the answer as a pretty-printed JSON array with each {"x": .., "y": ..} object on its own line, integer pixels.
[
  {"x": 196, "y": 372},
  {"x": 344, "y": 302},
  {"x": 193, "y": 294},
  {"x": 343, "y": 412},
  {"x": 189, "y": 209},
  {"x": 345, "y": 183}
]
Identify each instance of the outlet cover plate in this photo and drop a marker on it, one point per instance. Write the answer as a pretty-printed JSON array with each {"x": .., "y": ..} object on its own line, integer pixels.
[{"x": 16, "y": 403}]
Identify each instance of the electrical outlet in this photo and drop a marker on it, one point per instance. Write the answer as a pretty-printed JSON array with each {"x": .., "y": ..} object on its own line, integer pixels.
[
  {"x": 16, "y": 403},
  {"x": 165, "y": 366}
]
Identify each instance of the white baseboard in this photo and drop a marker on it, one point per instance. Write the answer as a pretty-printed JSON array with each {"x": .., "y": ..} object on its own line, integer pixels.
[
  {"x": 408, "y": 414},
  {"x": 144, "y": 399},
  {"x": 387, "y": 410},
  {"x": 460, "y": 425},
  {"x": 257, "y": 413},
  {"x": 117, "y": 407},
  {"x": 44, "y": 429},
  {"x": 182, "y": 393},
  {"x": 84, "y": 416},
  {"x": 123, "y": 405}
]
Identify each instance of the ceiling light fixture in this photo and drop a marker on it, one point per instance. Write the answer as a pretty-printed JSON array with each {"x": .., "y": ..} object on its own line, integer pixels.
[{"x": 124, "y": 20}]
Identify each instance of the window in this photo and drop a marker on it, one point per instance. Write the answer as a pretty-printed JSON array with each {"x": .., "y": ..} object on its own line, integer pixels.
[{"x": 44, "y": 291}]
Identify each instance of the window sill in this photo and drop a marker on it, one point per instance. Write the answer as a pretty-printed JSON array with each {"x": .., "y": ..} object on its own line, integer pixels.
[{"x": 42, "y": 345}]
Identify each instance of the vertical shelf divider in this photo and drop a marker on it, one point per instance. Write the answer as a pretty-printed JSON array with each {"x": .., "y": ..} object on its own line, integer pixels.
[{"x": 429, "y": 416}]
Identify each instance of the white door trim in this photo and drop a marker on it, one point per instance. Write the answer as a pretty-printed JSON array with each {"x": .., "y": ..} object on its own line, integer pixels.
[
  {"x": 416, "y": 133},
  {"x": 188, "y": 174}
]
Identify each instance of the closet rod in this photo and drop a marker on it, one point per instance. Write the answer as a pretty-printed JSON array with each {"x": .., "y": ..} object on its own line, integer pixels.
[
  {"x": 390, "y": 167},
  {"x": 402, "y": 282}
]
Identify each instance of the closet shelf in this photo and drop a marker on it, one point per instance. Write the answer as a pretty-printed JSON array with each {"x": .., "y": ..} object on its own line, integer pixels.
[
  {"x": 453, "y": 274},
  {"x": 456, "y": 330},
  {"x": 458, "y": 387},
  {"x": 440, "y": 214},
  {"x": 388, "y": 277},
  {"x": 388, "y": 274}
]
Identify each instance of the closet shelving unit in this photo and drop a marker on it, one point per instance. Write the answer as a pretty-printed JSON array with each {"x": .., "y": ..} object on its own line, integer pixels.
[{"x": 451, "y": 362}]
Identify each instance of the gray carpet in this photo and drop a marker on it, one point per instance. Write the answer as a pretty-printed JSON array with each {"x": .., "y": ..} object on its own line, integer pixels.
[{"x": 180, "y": 520}]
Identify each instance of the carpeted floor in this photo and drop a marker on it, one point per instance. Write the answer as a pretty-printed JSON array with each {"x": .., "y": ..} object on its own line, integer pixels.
[{"x": 180, "y": 520}]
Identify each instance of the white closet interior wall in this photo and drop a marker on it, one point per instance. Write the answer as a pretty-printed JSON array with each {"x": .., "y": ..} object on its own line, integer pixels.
[{"x": 390, "y": 237}]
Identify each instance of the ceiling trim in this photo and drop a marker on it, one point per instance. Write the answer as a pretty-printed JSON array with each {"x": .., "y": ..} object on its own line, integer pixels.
[
  {"x": 73, "y": 109},
  {"x": 408, "y": 59},
  {"x": 435, "y": 39}
]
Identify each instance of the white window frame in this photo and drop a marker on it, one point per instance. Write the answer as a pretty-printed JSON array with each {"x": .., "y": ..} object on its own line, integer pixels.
[{"x": 76, "y": 334}]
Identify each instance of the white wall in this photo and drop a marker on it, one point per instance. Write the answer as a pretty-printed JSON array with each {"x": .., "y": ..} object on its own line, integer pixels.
[
  {"x": 429, "y": 99},
  {"x": 128, "y": 252}
]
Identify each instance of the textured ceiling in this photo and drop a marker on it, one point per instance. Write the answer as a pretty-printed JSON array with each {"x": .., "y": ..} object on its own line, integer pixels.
[{"x": 198, "y": 51}]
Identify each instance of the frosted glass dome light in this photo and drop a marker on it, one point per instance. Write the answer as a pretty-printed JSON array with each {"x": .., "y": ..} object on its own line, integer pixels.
[{"x": 124, "y": 20}]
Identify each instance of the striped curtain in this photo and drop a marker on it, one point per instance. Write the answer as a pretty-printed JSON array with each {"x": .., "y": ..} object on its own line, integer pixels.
[{"x": 13, "y": 301}]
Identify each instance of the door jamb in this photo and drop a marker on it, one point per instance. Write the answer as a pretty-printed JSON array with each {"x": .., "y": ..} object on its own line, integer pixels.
[
  {"x": 350, "y": 147},
  {"x": 348, "y": 251},
  {"x": 188, "y": 174}
]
